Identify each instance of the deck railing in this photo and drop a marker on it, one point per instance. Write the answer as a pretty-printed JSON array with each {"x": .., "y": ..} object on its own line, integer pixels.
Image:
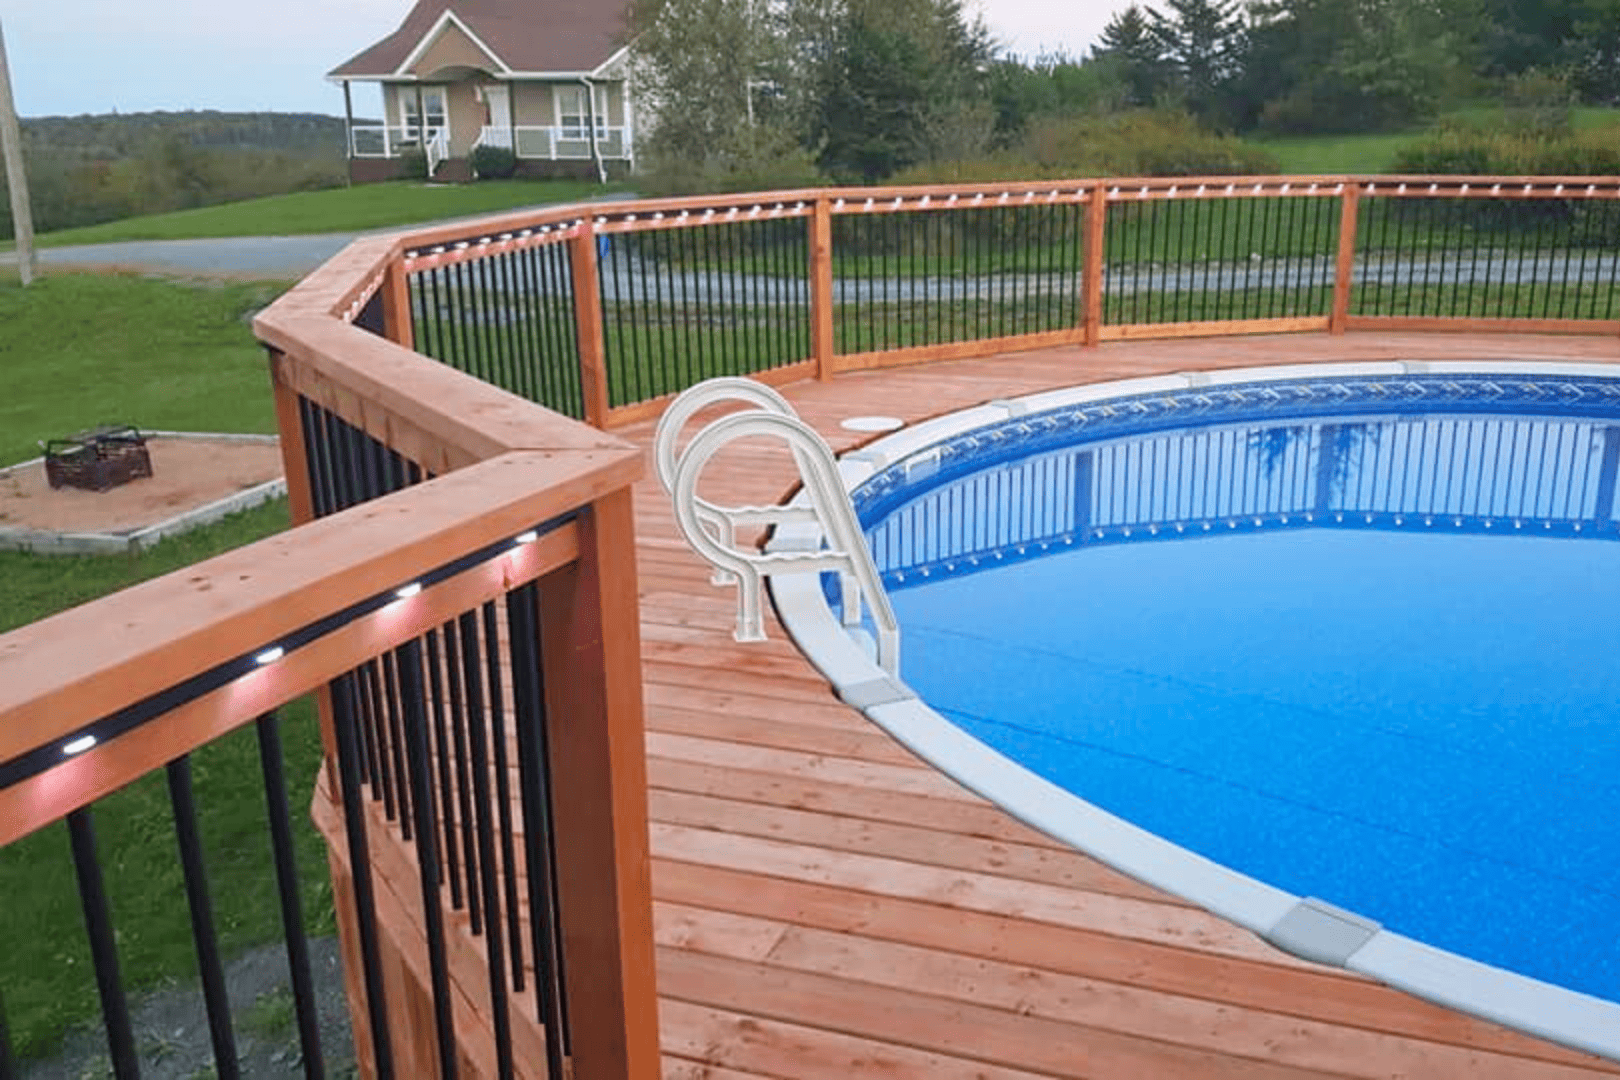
[
  {"x": 483, "y": 796},
  {"x": 632, "y": 302}
]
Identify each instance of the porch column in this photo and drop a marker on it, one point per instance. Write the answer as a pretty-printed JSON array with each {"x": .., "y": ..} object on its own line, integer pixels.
[
  {"x": 511, "y": 116},
  {"x": 348, "y": 133}
]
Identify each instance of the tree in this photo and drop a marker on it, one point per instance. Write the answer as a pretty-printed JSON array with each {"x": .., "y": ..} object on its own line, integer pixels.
[
  {"x": 1129, "y": 44},
  {"x": 699, "y": 64},
  {"x": 1202, "y": 44},
  {"x": 1354, "y": 65}
]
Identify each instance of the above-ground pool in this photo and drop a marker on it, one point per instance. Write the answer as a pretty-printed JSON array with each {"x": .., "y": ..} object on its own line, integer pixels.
[{"x": 1329, "y": 652}]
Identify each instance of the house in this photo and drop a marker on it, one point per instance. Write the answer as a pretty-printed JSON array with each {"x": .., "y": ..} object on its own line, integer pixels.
[{"x": 548, "y": 79}]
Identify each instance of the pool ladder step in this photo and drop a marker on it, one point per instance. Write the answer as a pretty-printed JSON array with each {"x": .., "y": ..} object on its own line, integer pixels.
[{"x": 818, "y": 532}]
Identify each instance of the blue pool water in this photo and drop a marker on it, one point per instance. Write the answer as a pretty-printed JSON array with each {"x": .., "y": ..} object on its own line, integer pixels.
[{"x": 1358, "y": 644}]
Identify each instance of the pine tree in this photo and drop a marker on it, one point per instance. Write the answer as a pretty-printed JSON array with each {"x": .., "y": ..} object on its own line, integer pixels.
[{"x": 1128, "y": 43}]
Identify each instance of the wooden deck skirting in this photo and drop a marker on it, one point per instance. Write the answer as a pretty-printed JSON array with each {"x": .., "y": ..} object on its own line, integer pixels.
[{"x": 826, "y": 905}]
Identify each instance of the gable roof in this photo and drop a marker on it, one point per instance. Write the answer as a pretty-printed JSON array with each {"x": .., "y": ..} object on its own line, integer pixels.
[{"x": 523, "y": 35}]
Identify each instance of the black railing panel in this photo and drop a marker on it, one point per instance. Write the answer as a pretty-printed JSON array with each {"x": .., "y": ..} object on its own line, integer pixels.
[
  {"x": 721, "y": 294},
  {"x": 985, "y": 268},
  {"x": 1218, "y": 257},
  {"x": 1487, "y": 257},
  {"x": 506, "y": 317}
]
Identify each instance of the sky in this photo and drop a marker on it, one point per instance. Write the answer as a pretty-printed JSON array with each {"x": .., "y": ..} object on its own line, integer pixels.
[{"x": 94, "y": 56}]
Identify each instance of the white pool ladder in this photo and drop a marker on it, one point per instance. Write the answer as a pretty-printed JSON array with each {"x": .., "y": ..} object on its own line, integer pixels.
[{"x": 711, "y": 529}]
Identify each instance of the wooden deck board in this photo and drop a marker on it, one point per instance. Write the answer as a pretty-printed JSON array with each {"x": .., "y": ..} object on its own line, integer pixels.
[{"x": 827, "y": 906}]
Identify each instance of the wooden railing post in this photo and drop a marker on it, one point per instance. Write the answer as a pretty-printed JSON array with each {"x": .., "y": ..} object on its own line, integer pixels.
[
  {"x": 593, "y": 379},
  {"x": 591, "y": 644},
  {"x": 822, "y": 344},
  {"x": 396, "y": 298},
  {"x": 1345, "y": 269},
  {"x": 1091, "y": 276}
]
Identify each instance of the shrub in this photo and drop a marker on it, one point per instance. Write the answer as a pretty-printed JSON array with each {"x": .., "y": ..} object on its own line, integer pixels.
[
  {"x": 493, "y": 163},
  {"x": 761, "y": 159},
  {"x": 1459, "y": 150},
  {"x": 1141, "y": 143},
  {"x": 413, "y": 165}
]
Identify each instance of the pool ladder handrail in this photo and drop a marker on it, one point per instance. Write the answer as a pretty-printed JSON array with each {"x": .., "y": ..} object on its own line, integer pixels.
[{"x": 711, "y": 529}]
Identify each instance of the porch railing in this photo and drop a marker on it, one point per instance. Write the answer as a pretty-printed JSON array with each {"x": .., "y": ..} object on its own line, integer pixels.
[
  {"x": 388, "y": 140},
  {"x": 557, "y": 143},
  {"x": 460, "y": 584}
]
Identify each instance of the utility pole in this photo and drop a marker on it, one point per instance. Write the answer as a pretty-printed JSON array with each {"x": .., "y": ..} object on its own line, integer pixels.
[{"x": 22, "y": 216}]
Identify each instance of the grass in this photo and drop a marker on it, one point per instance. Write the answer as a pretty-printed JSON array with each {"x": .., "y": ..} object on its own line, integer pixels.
[
  {"x": 48, "y": 979},
  {"x": 351, "y": 209},
  {"x": 84, "y": 349},
  {"x": 1334, "y": 155},
  {"x": 79, "y": 349}
]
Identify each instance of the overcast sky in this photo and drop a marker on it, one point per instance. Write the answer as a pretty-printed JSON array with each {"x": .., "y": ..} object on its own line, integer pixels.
[{"x": 94, "y": 56}]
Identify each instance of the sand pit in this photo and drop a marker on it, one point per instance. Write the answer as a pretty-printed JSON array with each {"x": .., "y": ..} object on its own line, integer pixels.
[{"x": 195, "y": 479}]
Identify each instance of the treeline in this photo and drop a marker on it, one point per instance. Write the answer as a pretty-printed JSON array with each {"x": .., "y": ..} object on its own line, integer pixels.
[
  {"x": 83, "y": 170},
  {"x": 1340, "y": 66},
  {"x": 772, "y": 93}
]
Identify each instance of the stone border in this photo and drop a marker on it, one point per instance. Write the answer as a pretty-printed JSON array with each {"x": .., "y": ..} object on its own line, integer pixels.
[
  {"x": 1303, "y": 926},
  {"x": 51, "y": 542}
]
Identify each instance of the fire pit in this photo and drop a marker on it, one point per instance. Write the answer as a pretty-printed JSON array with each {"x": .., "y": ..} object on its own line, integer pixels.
[{"x": 96, "y": 460}]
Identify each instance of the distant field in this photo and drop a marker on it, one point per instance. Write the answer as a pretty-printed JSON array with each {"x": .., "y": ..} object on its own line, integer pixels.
[
  {"x": 1330, "y": 155},
  {"x": 364, "y": 206},
  {"x": 85, "y": 349}
]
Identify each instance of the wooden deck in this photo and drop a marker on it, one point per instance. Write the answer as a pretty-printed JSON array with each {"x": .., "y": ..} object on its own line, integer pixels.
[{"x": 830, "y": 906}]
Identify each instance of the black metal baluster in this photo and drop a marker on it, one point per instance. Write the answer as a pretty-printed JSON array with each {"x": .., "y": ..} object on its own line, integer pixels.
[
  {"x": 503, "y": 790},
  {"x": 453, "y": 646},
  {"x": 372, "y": 755},
  {"x": 273, "y": 769},
  {"x": 103, "y": 949},
  {"x": 495, "y": 955},
  {"x": 215, "y": 998},
  {"x": 407, "y": 661},
  {"x": 551, "y": 341},
  {"x": 381, "y": 677},
  {"x": 529, "y": 717},
  {"x": 346, "y": 720},
  {"x": 442, "y": 752}
]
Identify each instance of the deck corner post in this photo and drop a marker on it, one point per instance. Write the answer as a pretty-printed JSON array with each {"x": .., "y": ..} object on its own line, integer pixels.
[
  {"x": 1091, "y": 278},
  {"x": 822, "y": 345},
  {"x": 591, "y": 656},
  {"x": 593, "y": 379},
  {"x": 396, "y": 302},
  {"x": 1345, "y": 268}
]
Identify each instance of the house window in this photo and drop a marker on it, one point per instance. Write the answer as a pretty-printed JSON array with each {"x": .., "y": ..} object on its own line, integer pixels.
[
  {"x": 571, "y": 112},
  {"x": 433, "y": 103}
]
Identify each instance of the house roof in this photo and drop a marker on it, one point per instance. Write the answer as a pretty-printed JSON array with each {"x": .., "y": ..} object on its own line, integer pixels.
[{"x": 529, "y": 36}]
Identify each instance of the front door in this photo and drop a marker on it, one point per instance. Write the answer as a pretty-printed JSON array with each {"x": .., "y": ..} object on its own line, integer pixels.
[{"x": 498, "y": 126}]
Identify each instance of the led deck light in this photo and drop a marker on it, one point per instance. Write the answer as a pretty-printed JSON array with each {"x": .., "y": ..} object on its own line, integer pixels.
[
  {"x": 79, "y": 745},
  {"x": 408, "y": 591},
  {"x": 270, "y": 655}
]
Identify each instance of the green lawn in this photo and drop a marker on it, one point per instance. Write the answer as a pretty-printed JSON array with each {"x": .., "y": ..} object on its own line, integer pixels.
[
  {"x": 1334, "y": 155},
  {"x": 79, "y": 350},
  {"x": 45, "y": 970},
  {"x": 352, "y": 209}
]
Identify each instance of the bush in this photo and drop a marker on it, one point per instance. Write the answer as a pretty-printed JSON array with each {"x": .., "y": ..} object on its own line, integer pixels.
[
  {"x": 1458, "y": 150},
  {"x": 762, "y": 159},
  {"x": 1141, "y": 143},
  {"x": 413, "y": 165},
  {"x": 493, "y": 163}
]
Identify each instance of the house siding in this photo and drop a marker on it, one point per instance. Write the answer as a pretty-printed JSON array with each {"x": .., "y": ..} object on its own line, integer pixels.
[
  {"x": 453, "y": 49},
  {"x": 532, "y": 104},
  {"x": 466, "y": 117}
]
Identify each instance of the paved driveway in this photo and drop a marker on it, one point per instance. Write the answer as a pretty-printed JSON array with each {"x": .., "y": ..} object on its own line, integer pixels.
[{"x": 237, "y": 256}]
